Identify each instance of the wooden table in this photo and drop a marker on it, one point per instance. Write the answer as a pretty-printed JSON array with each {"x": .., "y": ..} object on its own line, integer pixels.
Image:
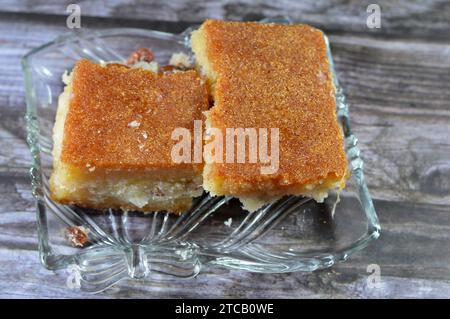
[{"x": 397, "y": 80}]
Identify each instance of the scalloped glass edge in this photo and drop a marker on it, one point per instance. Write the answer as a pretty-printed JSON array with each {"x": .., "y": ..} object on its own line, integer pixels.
[{"x": 132, "y": 267}]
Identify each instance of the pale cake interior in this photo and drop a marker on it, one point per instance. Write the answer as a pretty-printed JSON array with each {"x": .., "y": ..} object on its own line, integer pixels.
[
  {"x": 140, "y": 189},
  {"x": 215, "y": 45}
]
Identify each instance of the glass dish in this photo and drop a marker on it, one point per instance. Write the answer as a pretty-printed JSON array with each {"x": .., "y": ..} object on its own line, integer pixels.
[{"x": 293, "y": 234}]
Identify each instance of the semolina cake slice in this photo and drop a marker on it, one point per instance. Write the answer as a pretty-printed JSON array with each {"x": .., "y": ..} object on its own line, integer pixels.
[
  {"x": 272, "y": 76},
  {"x": 112, "y": 138}
]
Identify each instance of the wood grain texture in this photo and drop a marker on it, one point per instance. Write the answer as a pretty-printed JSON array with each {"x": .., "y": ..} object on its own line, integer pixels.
[
  {"x": 430, "y": 18},
  {"x": 413, "y": 262},
  {"x": 398, "y": 89}
]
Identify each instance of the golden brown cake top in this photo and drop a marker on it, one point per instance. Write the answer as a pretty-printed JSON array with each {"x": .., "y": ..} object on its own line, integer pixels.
[
  {"x": 276, "y": 76},
  {"x": 122, "y": 118}
]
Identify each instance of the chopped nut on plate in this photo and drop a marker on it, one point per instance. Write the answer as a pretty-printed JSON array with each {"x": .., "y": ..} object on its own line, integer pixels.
[
  {"x": 77, "y": 236},
  {"x": 141, "y": 54}
]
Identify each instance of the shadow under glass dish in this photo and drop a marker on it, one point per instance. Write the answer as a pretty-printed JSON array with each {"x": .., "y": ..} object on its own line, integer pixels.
[{"x": 292, "y": 234}]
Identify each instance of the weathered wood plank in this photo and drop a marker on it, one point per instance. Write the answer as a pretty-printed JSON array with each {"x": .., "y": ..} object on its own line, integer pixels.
[
  {"x": 30, "y": 280},
  {"x": 398, "y": 94},
  {"x": 413, "y": 246},
  {"x": 429, "y": 18},
  {"x": 398, "y": 91}
]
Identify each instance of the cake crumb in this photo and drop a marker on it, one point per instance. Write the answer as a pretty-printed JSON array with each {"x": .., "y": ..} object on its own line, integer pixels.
[
  {"x": 66, "y": 77},
  {"x": 183, "y": 253},
  {"x": 144, "y": 135},
  {"x": 228, "y": 222},
  {"x": 148, "y": 66},
  {"x": 180, "y": 60},
  {"x": 321, "y": 77},
  {"x": 134, "y": 124}
]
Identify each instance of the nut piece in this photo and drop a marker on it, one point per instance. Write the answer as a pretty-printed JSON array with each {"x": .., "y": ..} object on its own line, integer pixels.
[
  {"x": 77, "y": 236},
  {"x": 141, "y": 54}
]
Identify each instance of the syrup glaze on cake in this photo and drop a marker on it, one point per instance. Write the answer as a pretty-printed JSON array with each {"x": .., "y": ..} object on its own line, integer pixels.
[
  {"x": 272, "y": 76},
  {"x": 114, "y": 111}
]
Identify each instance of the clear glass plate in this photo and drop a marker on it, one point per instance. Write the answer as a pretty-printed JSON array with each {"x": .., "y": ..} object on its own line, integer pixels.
[{"x": 293, "y": 234}]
